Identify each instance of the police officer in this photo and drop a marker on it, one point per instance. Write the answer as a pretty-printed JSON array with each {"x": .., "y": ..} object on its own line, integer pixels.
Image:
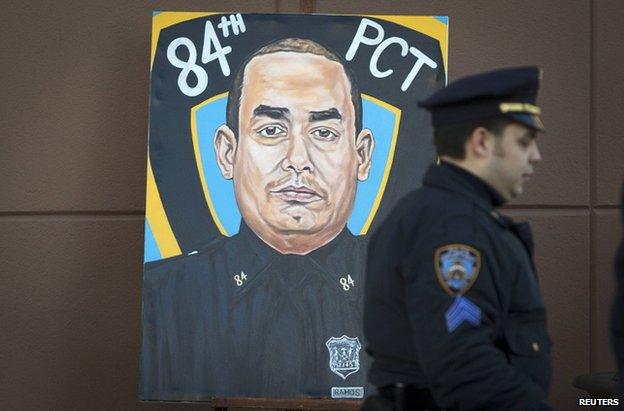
[
  {"x": 276, "y": 309},
  {"x": 453, "y": 314}
]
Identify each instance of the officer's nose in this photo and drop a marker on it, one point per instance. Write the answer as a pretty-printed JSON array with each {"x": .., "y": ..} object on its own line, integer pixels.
[
  {"x": 535, "y": 154},
  {"x": 297, "y": 157}
]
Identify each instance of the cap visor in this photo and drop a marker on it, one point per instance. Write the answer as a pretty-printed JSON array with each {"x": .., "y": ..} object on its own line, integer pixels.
[{"x": 530, "y": 120}]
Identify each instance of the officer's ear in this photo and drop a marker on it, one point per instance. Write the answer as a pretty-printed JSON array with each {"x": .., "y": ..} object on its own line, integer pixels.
[
  {"x": 225, "y": 150},
  {"x": 364, "y": 145},
  {"x": 480, "y": 143}
]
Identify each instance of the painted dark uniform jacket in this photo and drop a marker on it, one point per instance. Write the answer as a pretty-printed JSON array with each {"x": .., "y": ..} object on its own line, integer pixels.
[
  {"x": 501, "y": 363},
  {"x": 240, "y": 319}
]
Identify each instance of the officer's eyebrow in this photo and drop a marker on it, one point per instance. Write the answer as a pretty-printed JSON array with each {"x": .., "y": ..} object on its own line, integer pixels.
[
  {"x": 329, "y": 114},
  {"x": 276, "y": 113}
]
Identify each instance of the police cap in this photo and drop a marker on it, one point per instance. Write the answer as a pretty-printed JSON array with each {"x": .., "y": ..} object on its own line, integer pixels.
[{"x": 509, "y": 93}]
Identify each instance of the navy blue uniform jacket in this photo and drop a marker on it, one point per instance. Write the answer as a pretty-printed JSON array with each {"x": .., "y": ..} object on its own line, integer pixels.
[
  {"x": 240, "y": 319},
  {"x": 501, "y": 363}
]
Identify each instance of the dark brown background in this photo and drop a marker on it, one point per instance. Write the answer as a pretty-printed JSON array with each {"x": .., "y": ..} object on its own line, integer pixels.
[{"x": 73, "y": 122}]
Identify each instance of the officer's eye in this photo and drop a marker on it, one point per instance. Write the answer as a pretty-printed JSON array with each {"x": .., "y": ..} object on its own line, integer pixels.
[
  {"x": 525, "y": 142},
  {"x": 272, "y": 131},
  {"x": 324, "y": 134}
]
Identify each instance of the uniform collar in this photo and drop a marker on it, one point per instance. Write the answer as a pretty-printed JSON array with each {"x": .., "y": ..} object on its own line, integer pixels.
[
  {"x": 455, "y": 179},
  {"x": 459, "y": 180},
  {"x": 322, "y": 254},
  {"x": 258, "y": 258}
]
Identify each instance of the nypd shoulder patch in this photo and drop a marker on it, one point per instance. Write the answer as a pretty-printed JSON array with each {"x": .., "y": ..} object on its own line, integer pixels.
[{"x": 457, "y": 267}]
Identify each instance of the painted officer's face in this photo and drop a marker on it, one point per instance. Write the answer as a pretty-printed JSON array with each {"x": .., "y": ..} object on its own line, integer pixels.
[
  {"x": 297, "y": 160},
  {"x": 514, "y": 156}
]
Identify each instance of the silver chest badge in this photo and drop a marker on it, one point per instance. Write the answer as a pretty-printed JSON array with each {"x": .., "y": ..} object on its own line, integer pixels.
[{"x": 344, "y": 355}]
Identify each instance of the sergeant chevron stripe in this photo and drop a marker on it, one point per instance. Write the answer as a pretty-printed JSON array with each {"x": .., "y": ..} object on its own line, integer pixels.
[{"x": 462, "y": 310}]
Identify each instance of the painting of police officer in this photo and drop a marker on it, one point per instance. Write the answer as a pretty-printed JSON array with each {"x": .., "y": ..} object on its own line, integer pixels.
[{"x": 277, "y": 143}]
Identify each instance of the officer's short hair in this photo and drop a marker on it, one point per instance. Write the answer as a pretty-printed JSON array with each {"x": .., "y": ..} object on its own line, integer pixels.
[
  {"x": 449, "y": 139},
  {"x": 294, "y": 45}
]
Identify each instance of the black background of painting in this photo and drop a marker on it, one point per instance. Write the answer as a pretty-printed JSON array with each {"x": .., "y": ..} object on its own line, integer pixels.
[{"x": 170, "y": 143}]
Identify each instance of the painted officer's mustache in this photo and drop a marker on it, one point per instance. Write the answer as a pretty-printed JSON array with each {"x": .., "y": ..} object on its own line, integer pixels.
[{"x": 297, "y": 188}]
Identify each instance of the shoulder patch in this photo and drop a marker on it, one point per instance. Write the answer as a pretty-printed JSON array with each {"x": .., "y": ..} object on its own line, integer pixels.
[{"x": 457, "y": 266}]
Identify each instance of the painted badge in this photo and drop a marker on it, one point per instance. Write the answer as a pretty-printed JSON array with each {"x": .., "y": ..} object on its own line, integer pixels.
[{"x": 344, "y": 355}]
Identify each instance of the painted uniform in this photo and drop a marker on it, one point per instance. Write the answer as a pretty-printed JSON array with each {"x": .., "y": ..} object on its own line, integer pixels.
[
  {"x": 452, "y": 300},
  {"x": 240, "y": 319}
]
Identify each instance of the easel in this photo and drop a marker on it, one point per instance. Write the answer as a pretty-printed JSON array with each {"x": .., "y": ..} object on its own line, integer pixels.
[{"x": 285, "y": 404}]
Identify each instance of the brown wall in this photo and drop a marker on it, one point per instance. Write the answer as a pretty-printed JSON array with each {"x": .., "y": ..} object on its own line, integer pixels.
[{"x": 73, "y": 123}]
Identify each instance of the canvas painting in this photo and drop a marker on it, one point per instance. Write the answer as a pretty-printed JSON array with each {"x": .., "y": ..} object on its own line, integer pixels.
[{"x": 277, "y": 143}]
